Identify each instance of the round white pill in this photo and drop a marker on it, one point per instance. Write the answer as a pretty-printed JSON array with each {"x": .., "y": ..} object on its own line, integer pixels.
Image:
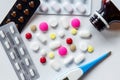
[
  {"x": 56, "y": 7},
  {"x": 55, "y": 65},
  {"x": 83, "y": 46},
  {"x": 43, "y": 52},
  {"x": 35, "y": 46},
  {"x": 64, "y": 22},
  {"x": 53, "y": 23},
  {"x": 81, "y": 8},
  {"x": 79, "y": 58},
  {"x": 68, "y": 7},
  {"x": 85, "y": 34},
  {"x": 68, "y": 60},
  {"x": 61, "y": 33}
]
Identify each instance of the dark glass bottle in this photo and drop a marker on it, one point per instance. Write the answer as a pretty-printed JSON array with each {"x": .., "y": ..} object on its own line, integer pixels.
[{"x": 107, "y": 14}]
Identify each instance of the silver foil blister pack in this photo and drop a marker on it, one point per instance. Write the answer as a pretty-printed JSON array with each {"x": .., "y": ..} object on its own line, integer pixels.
[
  {"x": 65, "y": 7},
  {"x": 17, "y": 52}
]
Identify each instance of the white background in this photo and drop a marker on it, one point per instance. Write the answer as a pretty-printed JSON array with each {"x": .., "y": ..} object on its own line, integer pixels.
[{"x": 102, "y": 41}]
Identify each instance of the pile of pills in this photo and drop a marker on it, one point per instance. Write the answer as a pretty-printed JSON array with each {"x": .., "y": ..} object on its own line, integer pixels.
[
  {"x": 65, "y": 7},
  {"x": 58, "y": 44}
]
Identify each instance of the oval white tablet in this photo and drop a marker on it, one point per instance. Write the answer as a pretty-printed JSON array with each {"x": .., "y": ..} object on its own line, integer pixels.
[
  {"x": 83, "y": 46},
  {"x": 64, "y": 23},
  {"x": 27, "y": 61},
  {"x": 55, "y": 65},
  {"x": 84, "y": 34},
  {"x": 79, "y": 58},
  {"x": 12, "y": 29},
  {"x": 17, "y": 66},
  {"x": 35, "y": 46},
  {"x": 68, "y": 60},
  {"x": 17, "y": 40},
  {"x": 41, "y": 38},
  {"x": 7, "y": 44},
  {"x": 22, "y": 76},
  {"x": 54, "y": 45},
  {"x": 2, "y": 34},
  {"x": 32, "y": 72},
  {"x": 22, "y": 51},
  {"x": 12, "y": 55},
  {"x": 43, "y": 52},
  {"x": 53, "y": 23}
]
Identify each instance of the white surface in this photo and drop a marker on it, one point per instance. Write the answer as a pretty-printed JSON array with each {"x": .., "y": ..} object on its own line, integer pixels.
[{"x": 102, "y": 41}]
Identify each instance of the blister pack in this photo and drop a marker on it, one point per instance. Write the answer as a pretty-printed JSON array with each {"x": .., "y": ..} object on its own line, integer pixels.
[
  {"x": 65, "y": 7},
  {"x": 21, "y": 12},
  {"x": 17, "y": 52}
]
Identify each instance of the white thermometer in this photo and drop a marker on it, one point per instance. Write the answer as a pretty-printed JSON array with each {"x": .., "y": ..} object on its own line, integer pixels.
[{"x": 76, "y": 73}]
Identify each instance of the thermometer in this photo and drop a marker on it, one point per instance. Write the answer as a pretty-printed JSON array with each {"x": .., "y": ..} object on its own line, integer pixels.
[{"x": 76, "y": 73}]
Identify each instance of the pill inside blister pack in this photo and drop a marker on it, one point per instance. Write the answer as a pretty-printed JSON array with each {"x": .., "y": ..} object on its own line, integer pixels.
[
  {"x": 17, "y": 52},
  {"x": 21, "y": 12},
  {"x": 65, "y": 7},
  {"x": 60, "y": 43}
]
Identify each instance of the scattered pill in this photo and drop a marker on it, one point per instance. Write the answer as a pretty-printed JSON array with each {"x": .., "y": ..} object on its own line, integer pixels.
[
  {"x": 2, "y": 34},
  {"x": 73, "y": 31},
  {"x": 64, "y": 22},
  {"x": 7, "y": 44},
  {"x": 12, "y": 29},
  {"x": 69, "y": 41},
  {"x": 41, "y": 38},
  {"x": 28, "y": 35},
  {"x": 22, "y": 51},
  {"x": 61, "y": 34},
  {"x": 17, "y": 66},
  {"x": 33, "y": 28},
  {"x": 17, "y": 40},
  {"x": 54, "y": 45},
  {"x": 79, "y": 58},
  {"x": 32, "y": 72},
  {"x": 83, "y": 46},
  {"x": 53, "y": 23},
  {"x": 27, "y": 61},
  {"x": 43, "y": 52},
  {"x": 73, "y": 47},
  {"x": 22, "y": 76},
  {"x": 85, "y": 34},
  {"x": 68, "y": 60},
  {"x": 75, "y": 23},
  {"x": 43, "y": 60},
  {"x": 90, "y": 49},
  {"x": 35, "y": 46},
  {"x": 55, "y": 65},
  {"x": 12, "y": 55},
  {"x": 51, "y": 55},
  {"x": 43, "y": 26},
  {"x": 62, "y": 51},
  {"x": 53, "y": 36}
]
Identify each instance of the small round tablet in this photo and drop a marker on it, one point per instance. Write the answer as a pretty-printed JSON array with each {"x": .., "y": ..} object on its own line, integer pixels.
[
  {"x": 61, "y": 33},
  {"x": 62, "y": 51},
  {"x": 75, "y": 23},
  {"x": 73, "y": 47},
  {"x": 35, "y": 46},
  {"x": 33, "y": 28},
  {"x": 43, "y": 26},
  {"x": 83, "y": 46},
  {"x": 73, "y": 31},
  {"x": 90, "y": 49},
  {"x": 53, "y": 36},
  {"x": 28, "y": 35},
  {"x": 43, "y": 52},
  {"x": 43, "y": 60},
  {"x": 53, "y": 23},
  {"x": 51, "y": 55},
  {"x": 69, "y": 41}
]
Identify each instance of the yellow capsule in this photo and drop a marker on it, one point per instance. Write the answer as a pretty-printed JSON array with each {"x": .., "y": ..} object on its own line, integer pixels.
[
  {"x": 90, "y": 49},
  {"x": 53, "y": 36},
  {"x": 73, "y": 31},
  {"x": 51, "y": 55}
]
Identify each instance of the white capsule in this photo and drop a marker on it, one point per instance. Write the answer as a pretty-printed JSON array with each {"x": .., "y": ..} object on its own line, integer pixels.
[
  {"x": 79, "y": 58},
  {"x": 22, "y": 51},
  {"x": 85, "y": 34},
  {"x": 17, "y": 40},
  {"x": 12, "y": 55},
  {"x": 68, "y": 60},
  {"x": 53, "y": 23},
  {"x": 83, "y": 46},
  {"x": 32, "y": 72},
  {"x": 22, "y": 76},
  {"x": 41, "y": 38},
  {"x": 35, "y": 46},
  {"x": 61, "y": 33},
  {"x": 64, "y": 23},
  {"x": 54, "y": 45},
  {"x": 7, "y": 44},
  {"x": 12, "y": 29},
  {"x": 2, "y": 34},
  {"x": 17, "y": 66},
  {"x": 55, "y": 65},
  {"x": 27, "y": 61}
]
